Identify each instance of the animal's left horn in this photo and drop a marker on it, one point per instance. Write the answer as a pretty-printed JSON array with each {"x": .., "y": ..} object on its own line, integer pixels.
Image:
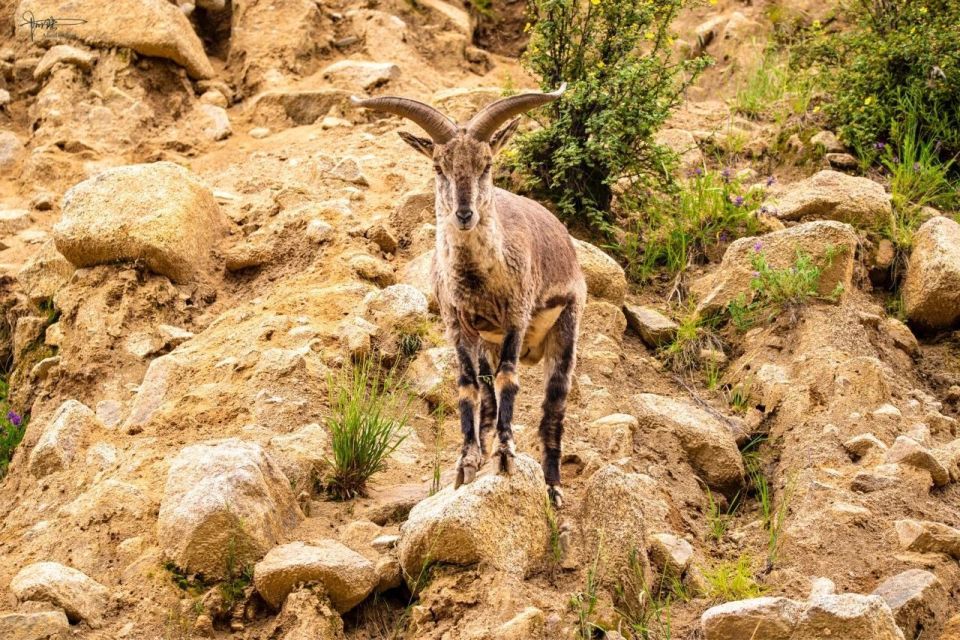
[{"x": 484, "y": 124}]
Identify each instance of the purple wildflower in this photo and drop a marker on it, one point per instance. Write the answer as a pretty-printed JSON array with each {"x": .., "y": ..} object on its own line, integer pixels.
[
  {"x": 738, "y": 201},
  {"x": 916, "y": 167},
  {"x": 878, "y": 146},
  {"x": 724, "y": 236},
  {"x": 896, "y": 159},
  {"x": 757, "y": 246},
  {"x": 725, "y": 174},
  {"x": 756, "y": 274},
  {"x": 771, "y": 180},
  {"x": 14, "y": 418},
  {"x": 698, "y": 171}
]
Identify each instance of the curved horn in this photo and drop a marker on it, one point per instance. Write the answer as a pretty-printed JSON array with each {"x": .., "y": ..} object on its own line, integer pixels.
[
  {"x": 484, "y": 124},
  {"x": 439, "y": 126}
]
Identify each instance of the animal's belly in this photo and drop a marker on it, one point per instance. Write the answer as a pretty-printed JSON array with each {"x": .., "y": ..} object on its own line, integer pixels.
[{"x": 539, "y": 325}]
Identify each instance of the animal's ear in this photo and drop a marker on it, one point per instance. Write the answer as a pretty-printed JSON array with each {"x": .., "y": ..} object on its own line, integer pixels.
[
  {"x": 423, "y": 145},
  {"x": 501, "y": 137}
]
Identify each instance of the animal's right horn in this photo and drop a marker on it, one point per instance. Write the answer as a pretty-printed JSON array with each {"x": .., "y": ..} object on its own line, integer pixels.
[
  {"x": 485, "y": 124},
  {"x": 440, "y": 128}
]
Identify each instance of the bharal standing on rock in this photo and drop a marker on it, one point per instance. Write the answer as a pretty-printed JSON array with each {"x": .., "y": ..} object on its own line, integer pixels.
[{"x": 506, "y": 277}]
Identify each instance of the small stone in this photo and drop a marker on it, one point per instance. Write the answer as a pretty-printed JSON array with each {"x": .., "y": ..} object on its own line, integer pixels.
[
  {"x": 931, "y": 291},
  {"x": 203, "y": 626},
  {"x": 861, "y": 445},
  {"x": 654, "y": 328},
  {"x": 842, "y": 160},
  {"x": 906, "y": 450},
  {"x": 828, "y": 140},
  {"x": 62, "y": 438},
  {"x": 924, "y": 536},
  {"x": 63, "y": 54},
  {"x": 214, "y": 97},
  {"x": 173, "y": 336},
  {"x": 526, "y": 625},
  {"x": 361, "y": 74},
  {"x": 259, "y": 132},
  {"x": 38, "y": 625},
  {"x": 822, "y": 587},
  {"x": 217, "y": 122},
  {"x": 372, "y": 269},
  {"x": 319, "y": 231},
  {"x": 385, "y": 542},
  {"x": 670, "y": 553},
  {"x": 348, "y": 170},
  {"x": 389, "y": 574},
  {"x": 382, "y": 237}
]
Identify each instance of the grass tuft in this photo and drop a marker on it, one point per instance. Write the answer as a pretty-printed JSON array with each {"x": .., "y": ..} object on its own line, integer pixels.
[
  {"x": 648, "y": 613},
  {"x": 728, "y": 581},
  {"x": 369, "y": 414}
]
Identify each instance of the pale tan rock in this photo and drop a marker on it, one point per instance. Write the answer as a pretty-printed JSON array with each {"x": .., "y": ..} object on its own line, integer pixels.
[
  {"x": 307, "y": 614},
  {"x": 906, "y": 450},
  {"x": 924, "y": 536},
  {"x": 709, "y": 445},
  {"x": 605, "y": 278},
  {"x": 151, "y": 27},
  {"x": 360, "y": 74},
  {"x": 293, "y": 107},
  {"x": 346, "y": 575},
  {"x": 614, "y": 522},
  {"x": 223, "y": 495},
  {"x": 33, "y": 626},
  {"x": 684, "y": 144},
  {"x": 654, "y": 328},
  {"x": 466, "y": 526},
  {"x": 670, "y": 553},
  {"x": 768, "y": 618},
  {"x": 63, "y": 438},
  {"x": 81, "y": 597},
  {"x": 529, "y": 624},
  {"x": 433, "y": 375},
  {"x": 63, "y": 54},
  {"x": 418, "y": 274},
  {"x": 820, "y": 240},
  {"x": 602, "y": 318},
  {"x": 156, "y": 213},
  {"x": 830, "y": 195},
  {"x": 850, "y": 616},
  {"x": 931, "y": 291},
  {"x": 917, "y": 598}
]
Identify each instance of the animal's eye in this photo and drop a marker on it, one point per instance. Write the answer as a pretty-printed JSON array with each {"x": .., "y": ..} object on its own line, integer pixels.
[{"x": 437, "y": 168}]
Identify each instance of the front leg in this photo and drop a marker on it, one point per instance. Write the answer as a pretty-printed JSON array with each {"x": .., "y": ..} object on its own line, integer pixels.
[
  {"x": 471, "y": 457},
  {"x": 506, "y": 384}
]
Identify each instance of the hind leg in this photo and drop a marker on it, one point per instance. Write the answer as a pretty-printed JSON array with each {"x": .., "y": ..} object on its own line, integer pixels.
[{"x": 560, "y": 355}]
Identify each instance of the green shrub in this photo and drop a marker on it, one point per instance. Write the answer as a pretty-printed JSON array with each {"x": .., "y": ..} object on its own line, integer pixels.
[
  {"x": 695, "y": 334},
  {"x": 369, "y": 411},
  {"x": 774, "y": 90},
  {"x": 623, "y": 81},
  {"x": 897, "y": 48},
  {"x": 710, "y": 209},
  {"x": 775, "y": 291}
]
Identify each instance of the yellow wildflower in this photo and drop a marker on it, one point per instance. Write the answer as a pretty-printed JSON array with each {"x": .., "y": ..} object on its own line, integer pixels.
[
  {"x": 648, "y": 35},
  {"x": 868, "y": 101}
]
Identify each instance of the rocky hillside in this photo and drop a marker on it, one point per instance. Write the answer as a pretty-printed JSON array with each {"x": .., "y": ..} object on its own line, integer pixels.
[{"x": 199, "y": 233}]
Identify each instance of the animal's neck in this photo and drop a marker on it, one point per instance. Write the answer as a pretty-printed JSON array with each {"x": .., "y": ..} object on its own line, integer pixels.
[{"x": 481, "y": 245}]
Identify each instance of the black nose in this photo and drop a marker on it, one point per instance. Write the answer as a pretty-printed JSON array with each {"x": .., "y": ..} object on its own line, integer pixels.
[{"x": 464, "y": 214}]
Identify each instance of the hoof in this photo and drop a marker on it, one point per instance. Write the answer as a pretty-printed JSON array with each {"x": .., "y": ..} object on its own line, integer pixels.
[
  {"x": 506, "y": 458},
  {"x": 466, "y": 474},
  {"x": 555, "y": 495}
]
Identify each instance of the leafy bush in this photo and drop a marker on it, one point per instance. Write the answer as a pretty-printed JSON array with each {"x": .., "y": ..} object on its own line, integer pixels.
[
  {"x": 709, "y": 210},
  {"x": 369, "y": 414},
  {"x": 897, "y": 49},
  {"x": 622, "y": 83}
]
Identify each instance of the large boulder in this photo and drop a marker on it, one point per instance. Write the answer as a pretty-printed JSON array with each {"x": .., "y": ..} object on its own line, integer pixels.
[
  {"x": 605, "y": 278},
  {"x": 767, "y": 618},
  {"x": 924, "y": 536},
  {"x": 497, "y": 520},
  {"x": 159, "y": 213},
  {"x": 82, "y": 598},
  {"x": 709, "y": 444},
  {"x": 150, "y": 27},
  {"x": 221, "y": 498},
  {"x": 347, "y": 576},
  {"x": 831, "y": 195},
  {"x": 931, "y": 290},
  {"x": 62, "y": 438},
  {"x": 831, "y": 245}
]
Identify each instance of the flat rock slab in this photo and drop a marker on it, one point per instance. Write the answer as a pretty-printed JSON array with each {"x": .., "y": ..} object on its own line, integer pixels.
[
  {"x": 347, "y": 576},
  {"x": 81, "y": 597}
]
